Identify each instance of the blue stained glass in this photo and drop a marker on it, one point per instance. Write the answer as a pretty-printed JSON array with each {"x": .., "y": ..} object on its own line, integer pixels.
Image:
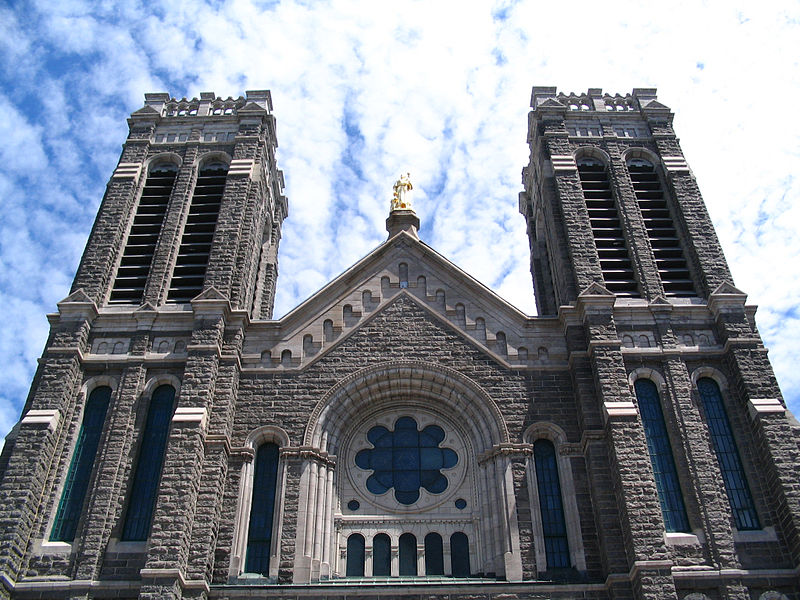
[
  {"x": 381, "y": 555},
  {"x": 459, "y": 554},
  {"x": 80, "y": 468},
  {"x": 355, "y": 556},
  {"x": 434, "y": 554},
  {"x": 148, "y": 466},
  {"x": 262, "y": 510},
  {"x": 660, "y": 450},
  {"x": 406, "y": 459},
  {"x": 730, "y": 463},
  {"x": 550, "y": 505}
]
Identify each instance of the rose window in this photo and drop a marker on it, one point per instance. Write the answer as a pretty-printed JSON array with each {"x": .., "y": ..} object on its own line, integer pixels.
[{"x": 406, "y": 459}]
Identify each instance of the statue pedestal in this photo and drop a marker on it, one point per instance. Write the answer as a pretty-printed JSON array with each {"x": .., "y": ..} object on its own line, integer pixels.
[{"x": 402, "y": 220}]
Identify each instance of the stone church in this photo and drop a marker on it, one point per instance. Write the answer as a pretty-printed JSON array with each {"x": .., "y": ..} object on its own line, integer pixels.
[{"x": 405, "y": 432}]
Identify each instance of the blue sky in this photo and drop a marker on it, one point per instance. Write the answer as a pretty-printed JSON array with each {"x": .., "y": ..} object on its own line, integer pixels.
[{"x": 365, "y": 91}]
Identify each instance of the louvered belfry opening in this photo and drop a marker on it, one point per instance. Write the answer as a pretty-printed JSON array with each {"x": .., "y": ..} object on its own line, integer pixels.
[
  {"x": 137, "y": 257},
  {"x": 609, "y": 238},
  {"x": 670, "y": 259},
  {"x": 190, "y": 266}
]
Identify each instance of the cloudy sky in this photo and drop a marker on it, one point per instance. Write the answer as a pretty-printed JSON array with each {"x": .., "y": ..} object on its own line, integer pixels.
[{"x": 365, "y": 90}]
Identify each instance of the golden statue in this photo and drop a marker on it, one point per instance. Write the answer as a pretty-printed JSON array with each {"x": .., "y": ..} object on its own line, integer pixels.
[{"x": 401, "y": 200}]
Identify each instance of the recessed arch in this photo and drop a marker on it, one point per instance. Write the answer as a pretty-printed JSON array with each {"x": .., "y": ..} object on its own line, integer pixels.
[
  {"x": 389, "y": 383},
  {"x": 170, "y": 159},
  {"x": 711, "y": 373},
  {"x": 214, "y": 156},
  {"x": 591, "y": 152}
]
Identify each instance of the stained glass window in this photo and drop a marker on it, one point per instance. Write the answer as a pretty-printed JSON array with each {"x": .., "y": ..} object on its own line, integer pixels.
[
  {"x": 730, "y": 463},
  {"x": 550, "y": 505},
  {"x": 406, "y": 459},
  {"x": 355, "y": 555},
  {"x": 262, "y": 510},
  {"x": 381, "y": 555},
  {"x": 148, "y": 466},
  {"x": 434, "y": 554},
  {"x": 660, "y": 450},
  {"x": 459, "y": 554},
  {"x": 408, "y": 554},
  {"x": 80, "y": 468}
]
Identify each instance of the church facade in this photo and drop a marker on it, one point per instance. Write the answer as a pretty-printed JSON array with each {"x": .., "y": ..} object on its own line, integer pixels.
[{"x": 404, "y": 432}]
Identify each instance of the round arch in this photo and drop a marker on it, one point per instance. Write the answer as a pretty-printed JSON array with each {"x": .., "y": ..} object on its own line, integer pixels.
[{"x": 389, "y": 384}]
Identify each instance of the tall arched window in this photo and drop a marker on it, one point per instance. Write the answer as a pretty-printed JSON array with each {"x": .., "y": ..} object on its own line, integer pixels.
[
  {"x": 459, "y": 554},
  {"x": 664, "y": 240},
  {"x": 666, "y": 475},
  {"x": 551, "y": 506},
  {"x": 408, "y": 554},
  {"x": 355, "y": 555},
  {"x": 609, "y": 237},
  {"x": 262, "y": 509},
  {"x": 381, "y": 555},
  {"x": 80, "y": 468},
  {"x": 137, "y": 257},
  {"x": 434, "y": 554},
  {"x": 147, "y": 472},
  {"x": 733, "y": 476},
  {"x": 198, "y": 233}
]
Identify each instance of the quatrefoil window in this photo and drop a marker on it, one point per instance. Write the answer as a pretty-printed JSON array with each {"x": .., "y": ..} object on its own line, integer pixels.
[{"x": 406, "y": 459}]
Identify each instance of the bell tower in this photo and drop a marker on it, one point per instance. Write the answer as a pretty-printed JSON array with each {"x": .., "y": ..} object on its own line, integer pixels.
[
  {"x": 610, "y": 199},
  {"x": 195, "y": 202}
]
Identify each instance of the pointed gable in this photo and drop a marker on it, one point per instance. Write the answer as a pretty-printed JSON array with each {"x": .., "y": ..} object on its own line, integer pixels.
[{"x": 405, "y": 267}]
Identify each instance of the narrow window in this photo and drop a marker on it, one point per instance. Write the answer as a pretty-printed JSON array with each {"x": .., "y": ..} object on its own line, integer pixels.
[
  {"x": 554, "y": 525},
  {"x": 459, "y": 554},
  {"x": 381, "y": 555},
  {"x": 408, "y": 554},
  {"x": 480, "y": 329},
  {"x": 148, "y": 465},
  {"x": 327, "y": 330},
  {"x": 440, "y": 299},
  {"x": 403, "y": 275},
  {"x": 198, "y": 233},
  {"x": 655, "y": 431},
  {"x": 262, "y": 509},
  {"x": 137, "y": 257},
  {"x": 80, "y": 468},
  {"x": 664, "y": 241},
  {"x": 355, "y": 555},
  {"x": 607, "y": 230},
  {"x": 730, "y": 463},
  {"x": 434, "y": 554}
]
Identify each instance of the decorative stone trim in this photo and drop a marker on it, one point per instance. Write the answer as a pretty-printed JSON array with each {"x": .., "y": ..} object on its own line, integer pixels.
[
  {"x": 506, "y": 449},
  {"x": 191, "y": 414},
  {"x": 763, "y": 406},
  {"x": 564, "y": 162},
  {"x": 675, "y": 164},
  {"x": 42, "y": 417},
  {"x": 127, "y": 171},
  {"x": 241, "y": 166},
  {"x": 619, "y": 409},
  {"x": 309, "y": 453}
]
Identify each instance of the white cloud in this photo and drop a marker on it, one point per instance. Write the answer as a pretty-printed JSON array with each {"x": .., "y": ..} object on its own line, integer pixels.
[{"x": 431, "y": 88}]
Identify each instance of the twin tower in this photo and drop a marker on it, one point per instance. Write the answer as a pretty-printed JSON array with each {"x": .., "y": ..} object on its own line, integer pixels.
[{"x": 404, "y": 432}]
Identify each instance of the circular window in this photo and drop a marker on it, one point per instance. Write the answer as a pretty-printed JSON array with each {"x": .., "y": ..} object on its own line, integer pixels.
[
  {"x": 461, "y": 504},
  {"x": 354, "y": 505}
]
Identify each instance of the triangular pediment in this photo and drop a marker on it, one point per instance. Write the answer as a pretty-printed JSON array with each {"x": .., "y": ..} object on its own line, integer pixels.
[
  {"x": 402, "y": 267},
  {"x": 596, "y": 289},
  {"x": 77, "y": 296},
  {"x": 551, "y": 103},
  {"x": 210, "y": 293},
  {"x": 145, "y": 110},
  {"x": 654, "y": 105},
  {"x": 727, "y": 288}
]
